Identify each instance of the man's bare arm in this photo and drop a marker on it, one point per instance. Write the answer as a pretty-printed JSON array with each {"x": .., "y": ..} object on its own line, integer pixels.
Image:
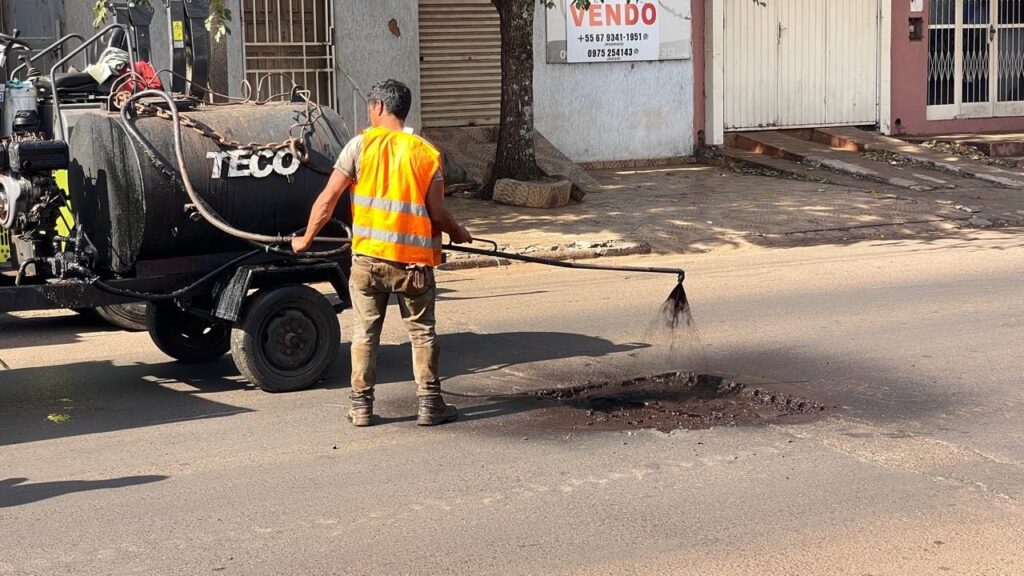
[
  {"x": 323, "y": 210},
  {"x": 441, "y": 218}
]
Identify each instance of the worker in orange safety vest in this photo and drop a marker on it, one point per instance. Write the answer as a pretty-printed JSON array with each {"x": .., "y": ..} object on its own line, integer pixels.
[{"x": 398, "y": 215}]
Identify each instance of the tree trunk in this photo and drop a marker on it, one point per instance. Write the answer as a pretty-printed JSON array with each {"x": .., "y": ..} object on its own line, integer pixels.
[{"x": 515, "y": 158}]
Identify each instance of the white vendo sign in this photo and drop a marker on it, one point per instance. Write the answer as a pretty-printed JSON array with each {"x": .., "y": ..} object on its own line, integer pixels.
[{"x": 613, "y": 31}]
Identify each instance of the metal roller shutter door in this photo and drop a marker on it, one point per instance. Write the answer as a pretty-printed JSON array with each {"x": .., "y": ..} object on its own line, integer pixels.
[
  {"x": 793, "y": 63},
  {"x": 460, "y": 63}
]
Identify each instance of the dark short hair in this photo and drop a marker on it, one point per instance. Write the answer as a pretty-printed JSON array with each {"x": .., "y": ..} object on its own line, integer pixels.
[{"x": 395, "y": 96}]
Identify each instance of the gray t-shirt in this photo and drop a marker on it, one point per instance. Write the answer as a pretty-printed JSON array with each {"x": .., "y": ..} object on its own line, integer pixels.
[{"x": 352, "y": 156}]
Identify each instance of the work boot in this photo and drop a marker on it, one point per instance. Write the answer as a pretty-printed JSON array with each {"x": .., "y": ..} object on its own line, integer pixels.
[
  {"x": 434, "y": 411},
  {"x": 361, "y": 411}
]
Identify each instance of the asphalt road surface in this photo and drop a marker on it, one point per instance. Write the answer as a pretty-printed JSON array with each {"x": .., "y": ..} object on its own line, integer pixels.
[{"x": 114, "y": 460}]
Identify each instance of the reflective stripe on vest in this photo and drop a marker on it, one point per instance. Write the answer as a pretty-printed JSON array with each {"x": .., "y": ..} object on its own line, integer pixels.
[
  {"x": 389, "y": 200},
  {"x": 390, "y": 205},
  {"x": 397, "y": 237}
]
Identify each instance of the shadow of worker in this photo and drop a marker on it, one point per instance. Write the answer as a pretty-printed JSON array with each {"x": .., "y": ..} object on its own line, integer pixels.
[
  {"x": 467, "y": 353},
  {"x": 15, "y": 492}
]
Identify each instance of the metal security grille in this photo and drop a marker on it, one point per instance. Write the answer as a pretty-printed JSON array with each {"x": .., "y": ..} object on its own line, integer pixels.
[
  {"x": 290, "y": 41},
  {"x": 1010, "y": 50},
  {"x": 975, "y": 58},
  {"x": 460, "y": 63},
  {"x": 941, "y": 52},
  {"x": 975, "y": 51}
]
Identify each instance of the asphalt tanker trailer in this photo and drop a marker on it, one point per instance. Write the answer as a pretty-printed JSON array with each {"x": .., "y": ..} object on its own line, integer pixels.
[{"x": 117, "y": 192}]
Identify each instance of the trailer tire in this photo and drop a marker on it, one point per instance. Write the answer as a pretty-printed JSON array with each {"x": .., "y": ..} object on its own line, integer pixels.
[
  {"x": 287, "y": 338},
  {"x": 184, "y": 336},
  {"x": 131, "y": 317}
]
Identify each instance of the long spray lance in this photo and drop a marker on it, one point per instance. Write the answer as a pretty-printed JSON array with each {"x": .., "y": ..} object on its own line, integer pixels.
[{"x": 676, "y": 307}]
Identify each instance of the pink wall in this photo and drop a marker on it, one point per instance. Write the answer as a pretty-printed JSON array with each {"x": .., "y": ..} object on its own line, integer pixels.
[
  {"x": 697, "y": 19},
  {"x": 910, "y": 85}
]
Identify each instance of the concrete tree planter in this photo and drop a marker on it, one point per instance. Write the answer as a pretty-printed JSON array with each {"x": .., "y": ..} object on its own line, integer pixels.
[{"x": 552, "y": 193}]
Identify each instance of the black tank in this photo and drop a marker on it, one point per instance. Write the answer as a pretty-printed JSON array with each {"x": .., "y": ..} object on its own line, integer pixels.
[{"x": 129, "y": 199}]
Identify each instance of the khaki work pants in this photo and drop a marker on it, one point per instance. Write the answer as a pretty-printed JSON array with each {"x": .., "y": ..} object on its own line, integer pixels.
[{"x": 371, "y": 285}]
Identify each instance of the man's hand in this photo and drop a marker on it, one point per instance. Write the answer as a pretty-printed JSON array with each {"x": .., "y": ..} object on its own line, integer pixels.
[
  {"x": 442, "y": 220},
  {"x": 300, "y": 244},
  {"x": 322, "y": 211},
  {"x": 460, "y": 235}
]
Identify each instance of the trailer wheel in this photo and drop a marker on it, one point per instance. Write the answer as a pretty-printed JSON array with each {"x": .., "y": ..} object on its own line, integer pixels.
[
  {"x": 184, "y": 336},
  {"x": 287, "y": 338},
  {"x": 131, "y": 317}
]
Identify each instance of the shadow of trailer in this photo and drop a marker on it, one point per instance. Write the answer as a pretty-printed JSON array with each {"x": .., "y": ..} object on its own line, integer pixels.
[{"x": 282, "y": 333}]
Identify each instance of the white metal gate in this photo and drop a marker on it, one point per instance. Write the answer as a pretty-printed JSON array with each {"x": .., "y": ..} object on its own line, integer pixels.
[
  {"x": 460, "y": 63},
  {"x": 792, "y": 63},
  {"x": 290, "y": 41},
  {"x": 975, "y": 58}
]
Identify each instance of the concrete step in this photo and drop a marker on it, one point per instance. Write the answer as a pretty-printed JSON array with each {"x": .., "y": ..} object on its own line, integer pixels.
[
  {"x": 864, "y": 141},
  {"x": 1007, "y": 145},
  {"x": 803, "y": 147},
  {"x": 770, "y": 165},
  {"x": 997, "y": 148}
]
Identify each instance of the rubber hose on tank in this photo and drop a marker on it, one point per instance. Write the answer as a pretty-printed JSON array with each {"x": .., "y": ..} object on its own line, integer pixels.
[
  {"x": 151, "y": 296},
  {"x": 24, "y": 268},
  {"x": 208, "y": 213}
]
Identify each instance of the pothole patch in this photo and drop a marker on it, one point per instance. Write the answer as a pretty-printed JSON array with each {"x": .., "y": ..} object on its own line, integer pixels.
[{"x": 674, "y": 401}]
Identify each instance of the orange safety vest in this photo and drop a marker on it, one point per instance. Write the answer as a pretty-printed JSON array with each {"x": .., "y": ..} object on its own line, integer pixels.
[{"x": 389, "y": 201}]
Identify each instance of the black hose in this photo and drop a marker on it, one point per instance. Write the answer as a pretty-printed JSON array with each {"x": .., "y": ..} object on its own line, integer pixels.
[
  {"x": 269, "y": 249},
  {"x": 676, "y": 309},
  {"x": 24, "y": 268},
  {"x": 679, "y": 272},
  {"x": 208, "y": 213},
  {"x": 319, "y": 255},
  {"x": 100, "y": 284}
]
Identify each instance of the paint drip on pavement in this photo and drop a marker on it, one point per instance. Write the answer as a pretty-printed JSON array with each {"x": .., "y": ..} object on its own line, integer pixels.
[{"x": 673, "y": 326}]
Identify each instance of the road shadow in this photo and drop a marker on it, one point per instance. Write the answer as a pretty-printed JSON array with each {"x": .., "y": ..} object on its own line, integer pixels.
[
  {"x": 467, "y": 353},
  {"x": 15, "y": 492},
  {"x": 497, "y": 408},
  {"x": 866, "y": 390},
  {"x": 442, "y": 295},
  {"x": 470, "y": 354},
  {"x": 93, "y": 397},
  {"x": 66, "y": 328},
  {"x": 471, "y": 408},
  {"x": 66, "y": 400},
  {"x": 871, "y": 390}
]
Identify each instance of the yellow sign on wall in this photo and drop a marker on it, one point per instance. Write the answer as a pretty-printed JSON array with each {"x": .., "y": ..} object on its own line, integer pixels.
[
  {"x": 63, "y": 225},
  {"x": 178, "y": 33},
  {"x": 5, "y": 247}
]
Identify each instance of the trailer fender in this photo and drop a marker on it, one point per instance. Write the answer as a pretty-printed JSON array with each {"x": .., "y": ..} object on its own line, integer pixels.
[{"x": 231, "y": 299}]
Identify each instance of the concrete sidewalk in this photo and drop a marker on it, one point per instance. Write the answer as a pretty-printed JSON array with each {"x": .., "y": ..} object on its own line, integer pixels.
[{"x": 692, "y": 208}]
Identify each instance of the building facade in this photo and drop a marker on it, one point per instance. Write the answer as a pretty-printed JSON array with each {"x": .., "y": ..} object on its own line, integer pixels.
[
  {"x": 906, "y": 66},
  {"x": 448, "y": 52},
  {"x": 963, "y": 71},
  {"x": 709, "y": 66}
]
